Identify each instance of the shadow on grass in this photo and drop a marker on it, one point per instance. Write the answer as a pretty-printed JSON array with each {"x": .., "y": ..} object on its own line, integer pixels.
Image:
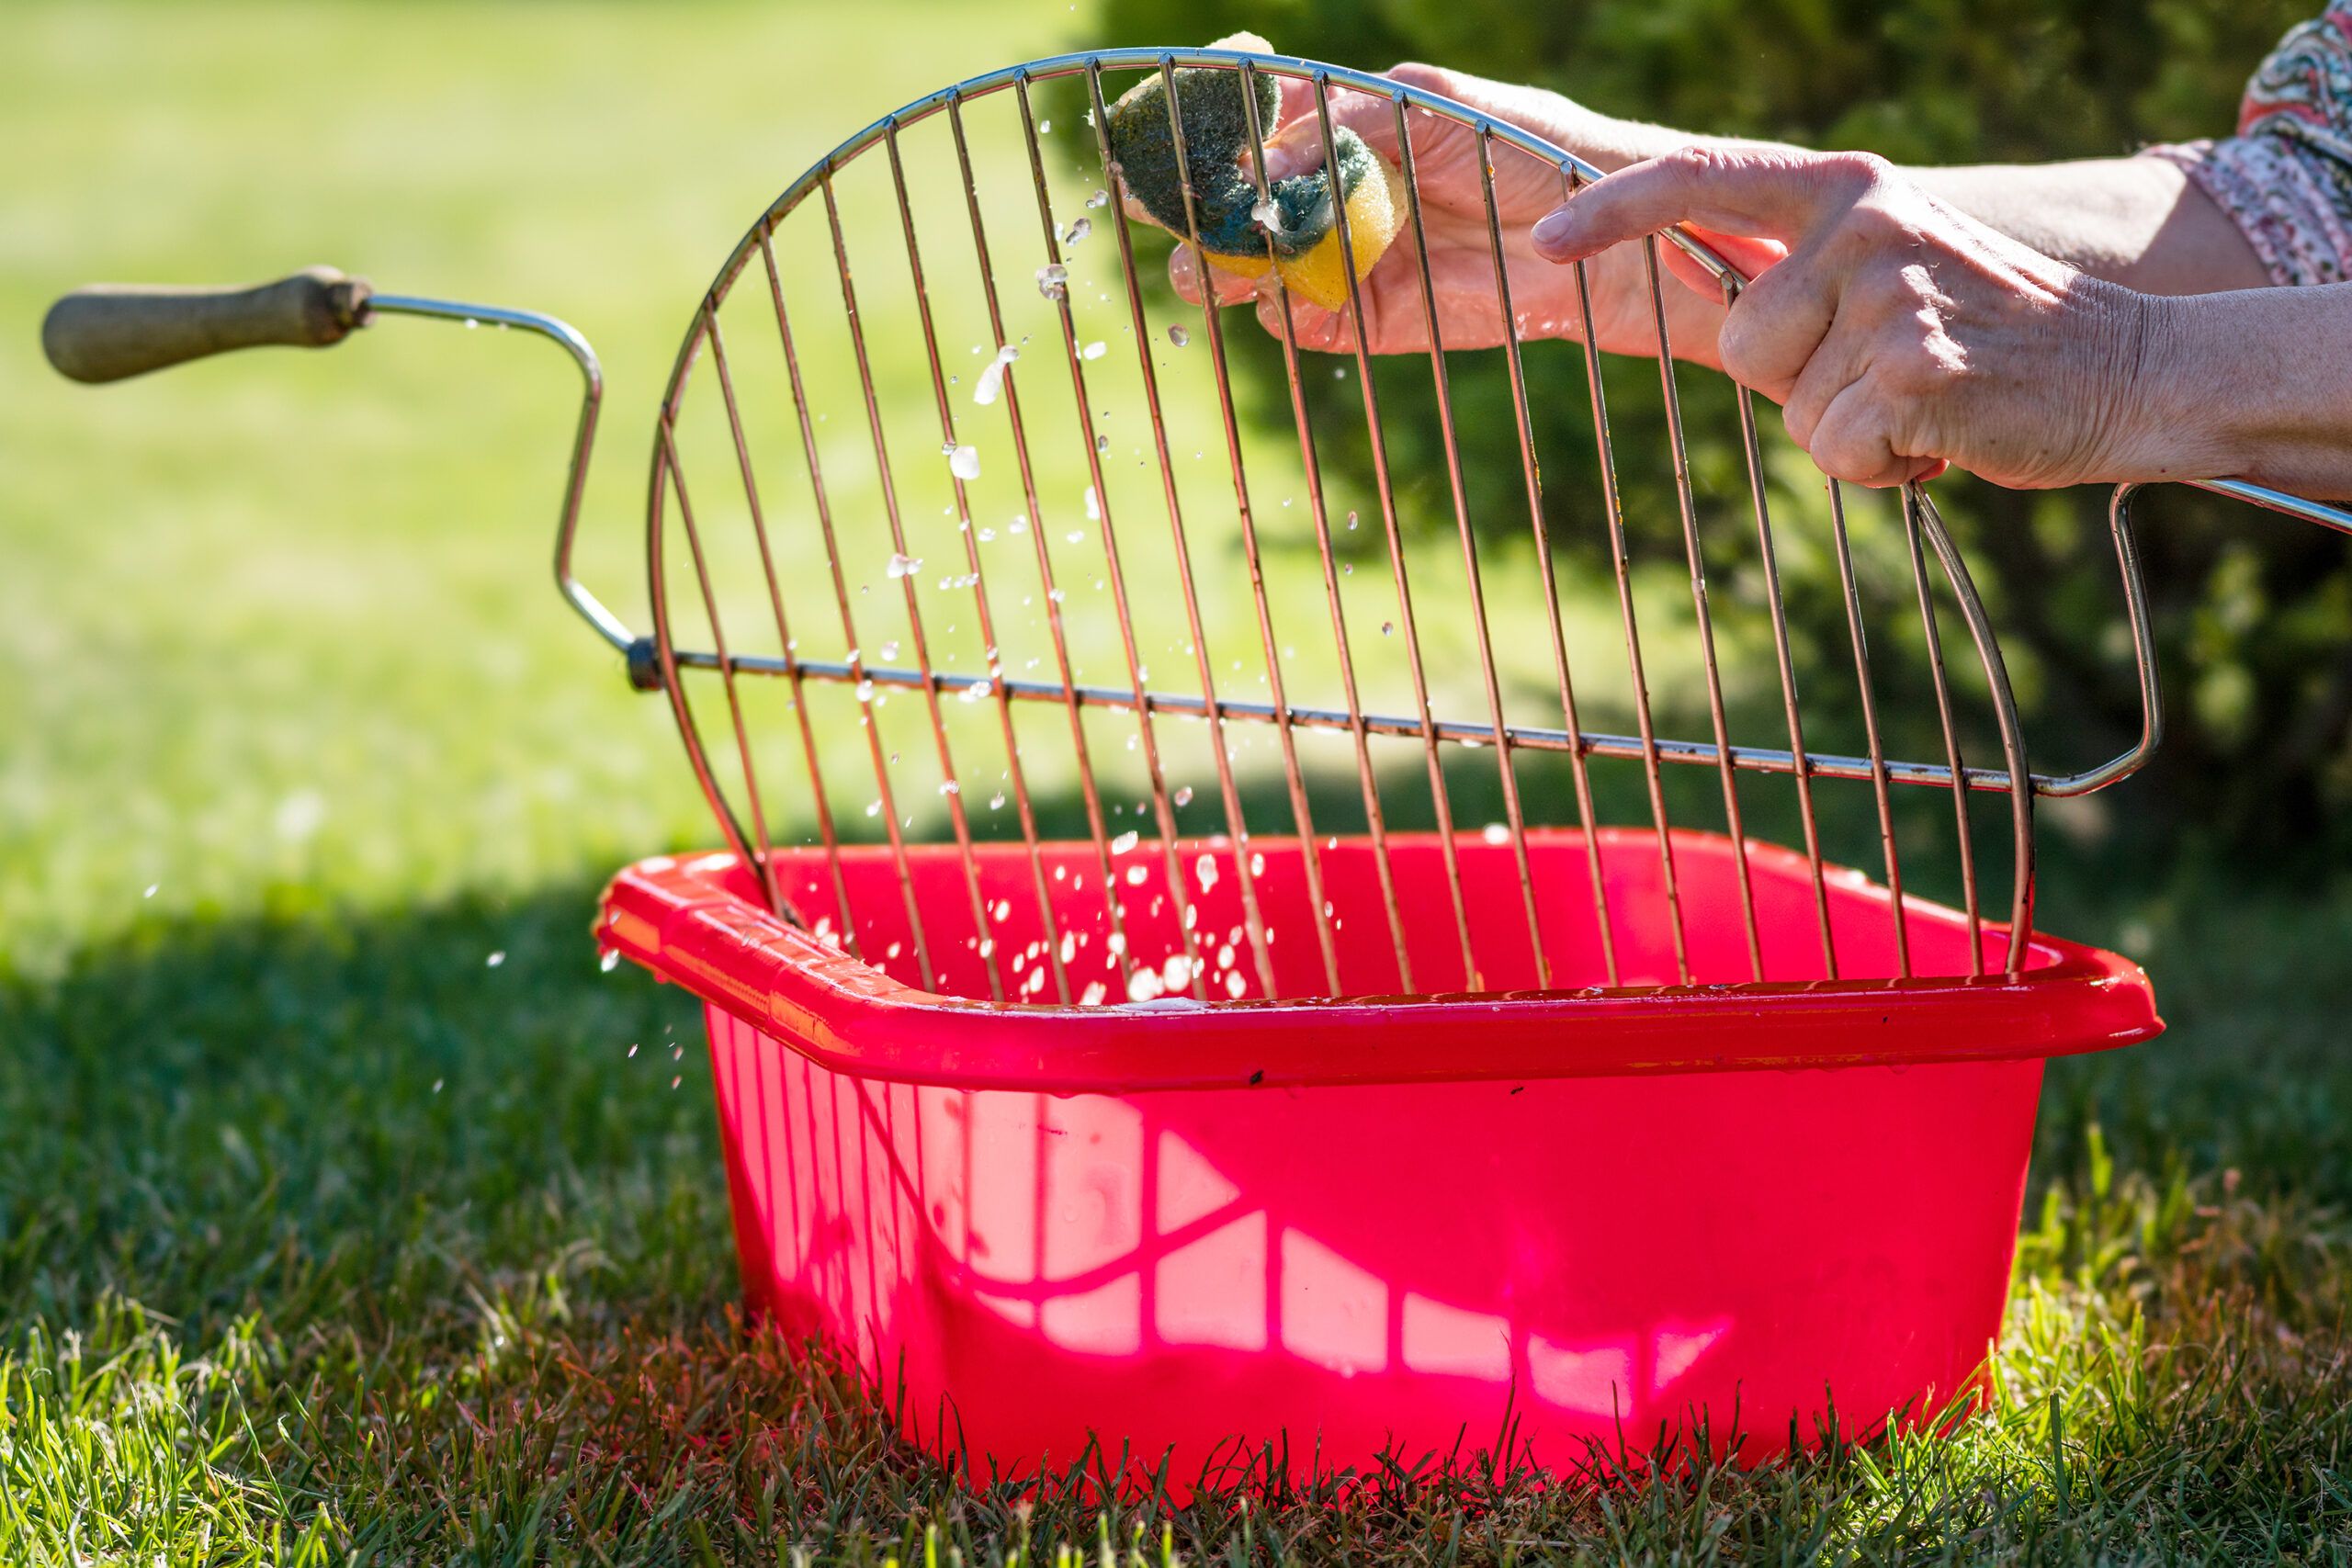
[
  {"x": 457, "y": 1265},
  {"x": 342, "y": 1108}
]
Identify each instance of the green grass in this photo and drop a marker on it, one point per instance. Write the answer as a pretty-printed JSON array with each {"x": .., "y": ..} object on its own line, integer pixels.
[{"x": 322, "y": 1238}]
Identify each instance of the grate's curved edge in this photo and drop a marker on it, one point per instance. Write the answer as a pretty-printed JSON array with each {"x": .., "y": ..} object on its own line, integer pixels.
[{"x": 747, "y": 832}]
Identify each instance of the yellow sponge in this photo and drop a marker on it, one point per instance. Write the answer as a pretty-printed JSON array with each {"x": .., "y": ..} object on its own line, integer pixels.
[{"x": 1376, "y": 210}]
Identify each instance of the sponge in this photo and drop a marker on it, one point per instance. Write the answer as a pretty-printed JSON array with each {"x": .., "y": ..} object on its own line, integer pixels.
[{"x": 1236, "y": 230}]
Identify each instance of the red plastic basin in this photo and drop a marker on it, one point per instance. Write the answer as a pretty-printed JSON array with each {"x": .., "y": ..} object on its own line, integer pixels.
[{"x": 1382, "y": 1221}]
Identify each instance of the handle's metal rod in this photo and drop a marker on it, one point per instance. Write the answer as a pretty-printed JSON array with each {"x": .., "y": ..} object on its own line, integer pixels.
[
  {"x": 1695, "y": 558},
  {"x": 1842, "y": 546},
  {"x": 1531, "y": 477},
  {"x": 2336, "y": 517},
  {"x": 1319, "y": 516},
  {"x": 1253, "y": 916},
  {"x": 1163, "y": 812},
  {"x": 1310, "y": 853},
  {"x": 1010, "y": 392},
  {"x": 592, "y": 396},
  {"x": 1053, "y": 962},
  {"x": 1425, "y": 720},
  {"x": 887, "y": 798},
  {"x": 1969, "y": 903}
]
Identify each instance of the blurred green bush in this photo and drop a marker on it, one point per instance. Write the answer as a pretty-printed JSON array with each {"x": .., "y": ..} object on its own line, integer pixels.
[{"x": 2255, "y": 613}]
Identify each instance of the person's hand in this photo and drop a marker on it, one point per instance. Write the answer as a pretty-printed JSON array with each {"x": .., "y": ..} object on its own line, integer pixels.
[
  {"x": 1453, "y": 212},
  {"x": 1899, "y": 333}
]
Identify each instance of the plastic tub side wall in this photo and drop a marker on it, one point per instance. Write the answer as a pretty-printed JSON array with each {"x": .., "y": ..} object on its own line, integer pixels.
[{"x": 1355, "y": 1267}]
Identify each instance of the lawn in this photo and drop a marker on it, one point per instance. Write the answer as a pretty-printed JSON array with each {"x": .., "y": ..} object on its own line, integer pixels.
[{"x": 348, "y": 1212}]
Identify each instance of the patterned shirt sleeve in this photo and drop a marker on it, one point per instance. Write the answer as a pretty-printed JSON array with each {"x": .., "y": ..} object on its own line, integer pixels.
[{"x": 2286, "y": 177}]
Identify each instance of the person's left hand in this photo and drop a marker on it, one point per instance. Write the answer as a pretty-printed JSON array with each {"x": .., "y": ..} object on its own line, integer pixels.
[{"x": 1898, "y": 334}]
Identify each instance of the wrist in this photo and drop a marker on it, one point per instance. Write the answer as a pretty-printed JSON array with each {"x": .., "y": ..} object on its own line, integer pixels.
[{"x": 2166, "y": 424}]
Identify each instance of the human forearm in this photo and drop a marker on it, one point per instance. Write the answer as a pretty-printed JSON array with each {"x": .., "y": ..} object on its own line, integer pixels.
[
  {"x": 2255, "y": 384},
  {"x": 2141, "y": 222}
]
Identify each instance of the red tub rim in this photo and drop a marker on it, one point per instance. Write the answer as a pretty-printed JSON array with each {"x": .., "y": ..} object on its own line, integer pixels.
[{"x": 685, "y": 919}]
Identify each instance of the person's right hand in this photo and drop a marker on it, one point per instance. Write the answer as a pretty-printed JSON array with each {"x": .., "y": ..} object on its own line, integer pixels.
[{"x": 1454, "y": 215}]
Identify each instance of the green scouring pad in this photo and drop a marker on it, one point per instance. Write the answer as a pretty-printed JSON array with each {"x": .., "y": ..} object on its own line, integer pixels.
[{"x": 1300, "y": 226}]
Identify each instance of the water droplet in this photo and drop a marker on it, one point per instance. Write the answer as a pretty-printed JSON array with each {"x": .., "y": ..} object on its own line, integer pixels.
[
  {"x": 902, "y": 566},
  {"x": 996, "y": 801},
  {"x": 1078, "y": 230},
  {"x": 951, "y": 787},
  {"x": 494, "y": 960},
  {"x": 865, "y": 691},
  {"x": 1184, "y": 796},
  {"x": 1179, "y": 337},
  {"x": 1020, "y": 524},
  {"x": 1388, "y": 627},
  {"x": 890, "y": 651},
  {"x": 973, "y": 693},
  {"x": 611, "y": 961},
  {"x": 1123, "y": 842},
  {"x": 1099, "y": 200},
  {"x": 1206, "y": 869},
  {"x": 1093, "y": 506},
  {"x": 1044, "y": 128},
  {"x": 1053, "y": 281},
  {"x": 1092, "y": 996},
  {"x": 990, "y": 379},
  {"x": 1495, "y": 833},
  {"x": 1142, "y": 985},
  {"x": 1351, "y": 522},
  {"x": 1095, "y": 350},
  {"x": 1102, "y": 443},
  {"x": 963, "y": 462},
  {"x": 873, "y": 809},
  {"x": 988, "y": 536}
]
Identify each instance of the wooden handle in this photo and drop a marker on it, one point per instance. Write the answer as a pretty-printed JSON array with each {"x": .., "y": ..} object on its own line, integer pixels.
[{"x": 108, "y": 331}]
